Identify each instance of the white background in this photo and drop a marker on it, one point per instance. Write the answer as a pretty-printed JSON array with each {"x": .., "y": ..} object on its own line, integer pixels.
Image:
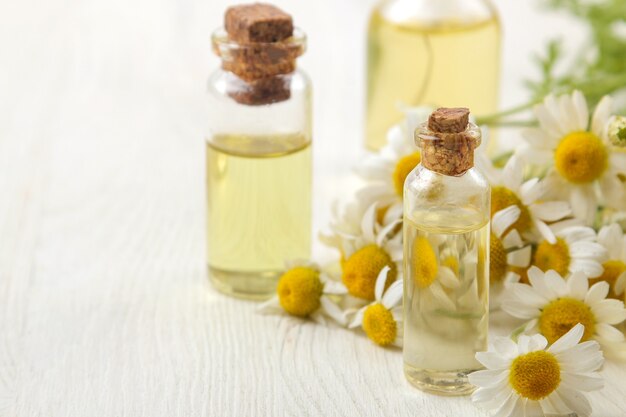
[{"x": 105, "y": 308}]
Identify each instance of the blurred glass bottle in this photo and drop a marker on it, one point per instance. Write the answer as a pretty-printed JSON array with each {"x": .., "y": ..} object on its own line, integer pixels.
[
  {"x": 258, "y": 152},
  {"x": 430, "y": 52}
]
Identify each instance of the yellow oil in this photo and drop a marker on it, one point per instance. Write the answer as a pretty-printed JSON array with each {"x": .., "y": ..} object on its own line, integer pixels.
[
  {"x": 258, "y": 210},
  {"x": 450, "y": 64},
  {"x": 443, "y": 334}
]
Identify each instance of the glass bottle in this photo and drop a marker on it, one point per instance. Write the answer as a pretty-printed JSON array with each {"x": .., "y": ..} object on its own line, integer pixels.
[
  {"x": 430, "y": 52},
  {"x": 258, "y": 162},
  {"x": 446, "y": 256}
]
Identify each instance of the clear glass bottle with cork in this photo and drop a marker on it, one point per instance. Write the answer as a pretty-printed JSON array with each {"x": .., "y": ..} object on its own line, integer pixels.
[
  {"x": 258, "y": 151},
  {"x": 446, "y": 256},
  {"x": 414, "y": 51}
]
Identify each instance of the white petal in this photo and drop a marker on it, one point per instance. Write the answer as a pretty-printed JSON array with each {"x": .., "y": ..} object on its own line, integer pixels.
[
  {"x": 333, "y": 311},
  {"x": 531, "y": 190},
  {"x": 578, "y": 233},
  {"x": 568, "y": 340},
  {"x": 503, "y": 219},
  {"x": 492, "y": 360},
  {"x": 488, "y": 378},
  {"x": 367, "y": 224},
  {"x": 609, "y": 311},
  {"x": 505, "y": 346},
  {"x": 538, "y": 281},
  {"x": 556, "y": 282},
  {"x": 609, "y": 332},
  {"x": 583, "y": 203},
  {"x": 532, "y": 343},
  {"x": 357, "y": 321},
  {"x": 581, "y": 382},
  {"x": 582, "y": 110},
  {"x": 601, "y": 116},
  {"x": 393, "y": 295},
  {"x": 547, "y": 120},
  {"x": 519, "y": 258},
  {"x": 513, "y": 173},
  {"x": 550, "y": 211},
  {"x": 529, "y": 295},
  {"x": 553, "y": 404},
  {"x": 591, "y": 268},
  {"x": 512, "y": 240},
  {"x": 578, "y": 285},
  {"x": 597, "y": 293},
  {"x": 576, "y": 401},
  {"x": 271, "y": 306},
  {"x": 545, "y": 231},
  {"x": 381, "y": 280},
  {"x": 588, "y": 250},
  {"x": 511, "y": 408}
]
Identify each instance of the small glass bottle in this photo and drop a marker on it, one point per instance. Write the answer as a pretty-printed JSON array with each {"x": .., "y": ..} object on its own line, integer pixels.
[
  {"x": 446, "y": 256},
  {"x": 258, "y": 152},
  {"x": 414, "y": 51}
]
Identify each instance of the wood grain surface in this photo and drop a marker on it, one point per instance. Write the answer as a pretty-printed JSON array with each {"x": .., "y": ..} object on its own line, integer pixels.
[{"x": 105, "y": 306}]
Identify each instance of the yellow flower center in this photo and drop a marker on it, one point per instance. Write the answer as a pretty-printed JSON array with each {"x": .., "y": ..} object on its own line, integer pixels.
[
  {"x": 501, "y": 198},
  {"x": 299, "y": 291},
  {"x": 560, "y": 315},
  {"x": 581, "y": 157},
  {"x": 425, "y": 267},
  {"x": 535, "y": 375},
  {"x": 404, "y": 166},
  {"x": 612, "y": 270},
  {"x": 379, "y": 324},
  {"x": 555, "y": 256},
  {"x": 497, "y": 260},
  {"x": 361, "y": 269}
]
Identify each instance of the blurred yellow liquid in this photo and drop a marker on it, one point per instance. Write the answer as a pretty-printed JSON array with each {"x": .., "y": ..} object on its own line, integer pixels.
[
  {"x": 450, "y": 64},
  {"x": 259, "y": 210}
]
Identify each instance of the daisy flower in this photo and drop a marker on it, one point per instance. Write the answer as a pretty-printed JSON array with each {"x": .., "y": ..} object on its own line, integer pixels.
[
  {"x": 304, "y": 290},
  {"x": 365, "y": 255},
  {"x": 553, "y": 305},
  {"x": 507, "y": 250},
  {"x": 382, "y": 320},
  {"x": 526, "y": 379},
  {"x": 575, "y": 250},
  {"x": 508, "y": 188},
  {"x": 582, "y": 164},
  {"x": 386, "y": 170},
  {"x": 614, "y": 240}
]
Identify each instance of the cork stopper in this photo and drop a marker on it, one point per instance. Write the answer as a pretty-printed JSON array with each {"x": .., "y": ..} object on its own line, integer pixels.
[
  {"x": 259, "y": 45},
  {"x": 257, "y": 23},
  {"x": 448, "y": 141}
]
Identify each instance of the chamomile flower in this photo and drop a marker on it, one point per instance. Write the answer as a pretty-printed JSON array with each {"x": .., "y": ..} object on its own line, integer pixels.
[
  {"x": 386, "y": 170},
  {"x": 507, "y": 250},
  {"x": 365, "y": 255},
  {"x": 575, "y": 250},
  {"x": 382, "y": 319},
  {"x": 526, "y": 379},
  {"x": 304, "y": 290},
  {"x": 553, "y": 305},
  {"x": 583, "y": 167},
  {"x": 508, "y": 188},
  {"x": 614, "y": 240}
]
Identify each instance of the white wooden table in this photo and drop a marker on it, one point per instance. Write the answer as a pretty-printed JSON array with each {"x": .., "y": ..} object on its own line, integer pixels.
[{"x": 105, "y": 307}]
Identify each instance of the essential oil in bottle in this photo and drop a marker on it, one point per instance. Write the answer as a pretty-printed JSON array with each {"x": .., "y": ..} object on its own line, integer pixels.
[
  {"x": 446, "y": 257},
  {"x": 258, "y": 152},
  {"x": 415, "y": 49}
]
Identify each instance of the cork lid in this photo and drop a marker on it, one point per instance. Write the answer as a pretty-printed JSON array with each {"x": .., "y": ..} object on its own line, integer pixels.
[
  {"x": 259, "y": 45},
  {"x": 448, "y": 141}
]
